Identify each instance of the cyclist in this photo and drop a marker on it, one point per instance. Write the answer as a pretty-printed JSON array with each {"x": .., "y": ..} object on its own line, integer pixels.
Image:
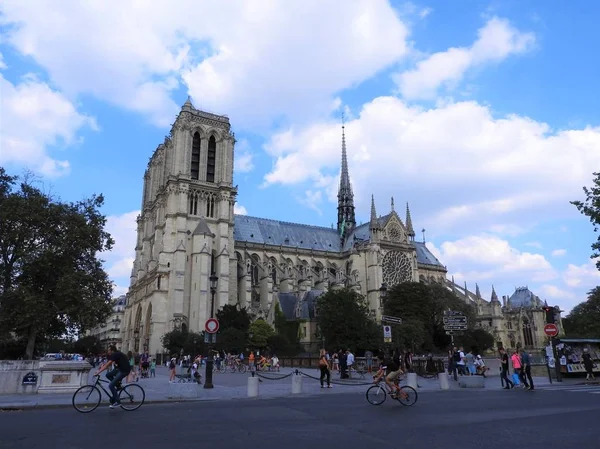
[
  {"x": 393, "y": 373},
  {"x": 116, "y": 375}
]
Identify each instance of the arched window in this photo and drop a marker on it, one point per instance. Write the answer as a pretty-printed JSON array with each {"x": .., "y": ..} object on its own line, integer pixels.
[
  {"x": 274, "y": 271},
  {"x": 527, "y": 333},
  {"x": 195, "y": 168},
  {"x": 210, "y": 162},
  {"x": 254, "y": 275}
]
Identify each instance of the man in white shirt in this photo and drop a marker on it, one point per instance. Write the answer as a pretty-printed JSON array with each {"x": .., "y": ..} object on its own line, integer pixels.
[
  {"x": 461, "y": 365},
  {"x": 349, "y": 361}
]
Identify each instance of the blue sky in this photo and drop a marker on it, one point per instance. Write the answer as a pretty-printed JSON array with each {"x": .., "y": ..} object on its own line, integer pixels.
[{"x": 482, "y": 115}]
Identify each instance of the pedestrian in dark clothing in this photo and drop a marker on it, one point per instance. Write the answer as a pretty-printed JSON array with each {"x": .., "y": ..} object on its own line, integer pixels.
[
  {"x": 504, "y": 372},
  {"x": 526, "y": 370}
]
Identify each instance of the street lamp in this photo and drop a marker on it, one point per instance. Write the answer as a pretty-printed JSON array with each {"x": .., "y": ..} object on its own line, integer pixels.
[
  {"x": 382, "y": 294},
  {"x": 214, "y": 279}
]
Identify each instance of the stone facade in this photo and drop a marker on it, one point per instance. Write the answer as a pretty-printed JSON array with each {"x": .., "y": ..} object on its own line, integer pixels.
[
  {"x": 109, "y": 332},
  {"x": 518, "y": 320},
  {"x": 187, "y": 231}
]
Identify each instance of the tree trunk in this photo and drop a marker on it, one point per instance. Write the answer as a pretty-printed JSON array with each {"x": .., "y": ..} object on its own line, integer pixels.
[{"x": 31, "y": 334}]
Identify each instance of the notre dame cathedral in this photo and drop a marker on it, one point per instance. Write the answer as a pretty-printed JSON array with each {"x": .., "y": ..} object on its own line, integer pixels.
[{"x": 187, "y": 233}]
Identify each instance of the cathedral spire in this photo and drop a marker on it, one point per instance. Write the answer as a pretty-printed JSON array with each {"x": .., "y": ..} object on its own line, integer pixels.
[
  {"x": 392, "y": 205},
  {"x": 346, "y": 217},
  {"x": 188, "y": 104},
  {"x": 494, "y": 295},
  {"x": 374, "y": 223},
  {"x": 409, "y": 225},
  {"x": 477, "y": 291}
]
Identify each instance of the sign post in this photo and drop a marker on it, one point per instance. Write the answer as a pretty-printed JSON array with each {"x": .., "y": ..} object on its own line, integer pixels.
[
  {"x": 387, "y": 334},
  {"x": 211, "y": 326},
  {"x": 455, "y": 323},
  {"x": 551, "y": 330}
]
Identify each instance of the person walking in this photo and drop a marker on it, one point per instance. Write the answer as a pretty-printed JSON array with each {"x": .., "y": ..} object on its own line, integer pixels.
[
  {"x": 588, "y": 364},
  {"x": 325, "y": 369},
  {"x": 526, "y": 370},
  {"x": 504, "y": 372}
]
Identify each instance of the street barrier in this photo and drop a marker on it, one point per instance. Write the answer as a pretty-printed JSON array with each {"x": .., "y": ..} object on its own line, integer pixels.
[
  {"x": 444, "y": 384},
  {"x": 297, "y": 383},
  {"x": 411, "y": 380},
  {"x": 253, "y": 387}
]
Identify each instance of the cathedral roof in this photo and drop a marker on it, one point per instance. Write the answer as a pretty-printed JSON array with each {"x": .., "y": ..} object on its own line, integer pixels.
[
  {"x": 202, "y": 228},
  {"x": 121, "y": 301},
  {"x": 282, "y": 233},
  {"x": 523, "y": 297},
  {"x": 294, "y": 235},
  {"x": 299, "y": 306}
]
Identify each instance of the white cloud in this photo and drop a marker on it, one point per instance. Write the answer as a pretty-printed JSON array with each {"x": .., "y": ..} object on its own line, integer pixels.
[
  {"x": 243, "y": 163},
  {"x": 559, "y": 252},
  {"x": 240, "y": 210},
  {"x": 534, "y": 244},
  {"x": 136, "y": 58},
  {"x": 585, "y": 276},
  {"x": 425, "y": 12},
  {"x": 312, "y": 199},
  {"x": 119, "y": 261},
  {"x": 496, "y": 41},
  {"x": 487, "y": 257},
  {"x": 34, "y": 118},
  {"x": 556, "y": 293},
  {"x": 474, "y": 169}
]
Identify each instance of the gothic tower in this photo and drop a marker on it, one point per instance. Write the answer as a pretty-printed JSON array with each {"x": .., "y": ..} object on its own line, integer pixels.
[
  {"x": 346, "y": 218},
  {"x": 185, "y": 231}
]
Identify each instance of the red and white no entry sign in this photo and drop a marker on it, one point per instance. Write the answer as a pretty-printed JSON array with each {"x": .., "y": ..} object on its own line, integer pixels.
[
  {"x": 211, "y": 326},
  {"x": 551, "y": 330}
]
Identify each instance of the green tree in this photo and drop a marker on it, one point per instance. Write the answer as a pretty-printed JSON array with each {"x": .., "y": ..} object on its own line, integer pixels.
[
  {"x": 478, "y": 340},
  {"x": 231, "y": 339},
  {"x": 233, "y": 317},
  {"x": 419, "y": 303},
  {"x": 344, "y": 321},
  {"x": 261, "y": 331},
  {"x": 287, "y": 328},
  {"x": 191, "y": 343},
  {"x": 86, "y": 345},
  {"x": 590, "y": 207},
  {"x": 51, "y": 278},
  {"x": 584, "y": 319}
]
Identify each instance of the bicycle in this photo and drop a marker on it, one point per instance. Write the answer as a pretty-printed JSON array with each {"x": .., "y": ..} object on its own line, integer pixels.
[
  {"x": 131, "y": 396},
  {"x": 377, "y": 394}
]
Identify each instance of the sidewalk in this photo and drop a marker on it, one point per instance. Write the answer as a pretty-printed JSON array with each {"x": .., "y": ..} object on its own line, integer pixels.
[{"x": 234, "y": 386}]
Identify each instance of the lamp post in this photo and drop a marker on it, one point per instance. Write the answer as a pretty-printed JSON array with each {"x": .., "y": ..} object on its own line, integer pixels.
[
  {"x": 211, "y": 359},
  {"x": 382, "y": 298}
]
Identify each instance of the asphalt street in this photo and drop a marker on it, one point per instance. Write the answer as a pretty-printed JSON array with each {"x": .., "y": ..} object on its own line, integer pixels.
[{"x": 469, "y": 419}]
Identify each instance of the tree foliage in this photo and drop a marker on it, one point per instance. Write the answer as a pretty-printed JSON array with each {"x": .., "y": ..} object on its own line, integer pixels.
[
  {"x": 421, "y": 307},
  {"x": 232, "y": 339},
  {"x": 179, "y": 342},
  {"x": 51, "y": 278},
  {"x": 344, "y": 321},
  {"x": 584, "y": 319},
  {"x": 590, "y": 207},
  {"x": 85, "y": 346},
  {"x": 233, "y": 317},
  {"x": 260, "y": 332}
]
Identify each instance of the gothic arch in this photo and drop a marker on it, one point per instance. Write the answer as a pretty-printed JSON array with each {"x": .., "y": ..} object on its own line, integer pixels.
[
  {"x": 195, "y": 160},
  {"x": 148, "y": 327},
  {"x": 527, "y": 333},
  {"x": 255, "y": 269},
  {"x": 332, "y": 272},
  {"x": 211, "y": 159},
  {"x": 240, "y": 265},
  {"x": 137, "y": 329},
  {"x": 423, "y": 279},
  {"x": 318, "y": 270},
  {"x": 273, "y": 270}
]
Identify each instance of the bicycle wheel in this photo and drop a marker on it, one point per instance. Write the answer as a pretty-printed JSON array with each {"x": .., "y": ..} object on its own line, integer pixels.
[
  {"x": 132, "y": 397},
  {"x": 223, "y": 369},
  {"x": 376, "y": 395},
  {"x": 408, "y": 396},
  {"x": 86, "y": 399},
  {"x": 242, "y": 368}
]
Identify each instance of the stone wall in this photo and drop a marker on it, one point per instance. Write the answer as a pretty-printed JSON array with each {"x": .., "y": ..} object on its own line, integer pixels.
[{"x": 36, "y": 376}]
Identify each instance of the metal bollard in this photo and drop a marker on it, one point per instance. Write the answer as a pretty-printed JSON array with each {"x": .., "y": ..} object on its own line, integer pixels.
[
  {"x": 444, "y": 384},
  {"x": 411, "y": 380},
  {"x": 252, "y": 386},
  {"x": 296, "y": 383}
]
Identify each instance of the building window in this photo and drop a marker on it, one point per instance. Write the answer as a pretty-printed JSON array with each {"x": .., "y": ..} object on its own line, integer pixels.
[
  {"x": 304, "y": 331},
  {"x": 158, "y": 283},
  {"x": 210, "y": 206},
  {"x": 210, "y": 162},
  {"x": 527, "y": 334},
  {"x": 274, "y": 274},
  {"x": 195, "y": 167},
  {"x": 193, "y": 203}
]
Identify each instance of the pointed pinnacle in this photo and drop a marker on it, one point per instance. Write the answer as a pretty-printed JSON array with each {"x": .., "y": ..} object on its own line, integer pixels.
[{"x": 409, "y": 225}]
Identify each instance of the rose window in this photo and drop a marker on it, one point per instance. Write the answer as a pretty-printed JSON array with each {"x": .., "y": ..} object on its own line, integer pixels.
[
  {"x": 396, "y": 268},
  {"x": 395, "y": 233}
]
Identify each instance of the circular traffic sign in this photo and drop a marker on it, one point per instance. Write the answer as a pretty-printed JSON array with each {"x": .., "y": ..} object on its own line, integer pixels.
[
  {"x": 551, "y": 330},
  {"x": 211, "y": 326}
]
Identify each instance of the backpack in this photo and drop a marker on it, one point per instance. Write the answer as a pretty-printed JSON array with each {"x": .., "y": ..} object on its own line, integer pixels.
[{"x": 457, "y": 357}]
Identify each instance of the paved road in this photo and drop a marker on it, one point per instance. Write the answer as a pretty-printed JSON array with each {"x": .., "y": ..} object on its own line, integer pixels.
[{"x": 476, "y": 419}]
